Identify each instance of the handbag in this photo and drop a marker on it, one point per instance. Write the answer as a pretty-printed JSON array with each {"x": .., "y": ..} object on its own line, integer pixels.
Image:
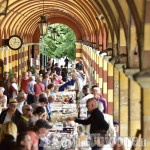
[{"x": 40, "y": 87}]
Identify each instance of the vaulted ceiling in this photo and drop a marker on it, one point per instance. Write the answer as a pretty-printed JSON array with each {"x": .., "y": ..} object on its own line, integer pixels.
[{"x": 23, "y": 15}]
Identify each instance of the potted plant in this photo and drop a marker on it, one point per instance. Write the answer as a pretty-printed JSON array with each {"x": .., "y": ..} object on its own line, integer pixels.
[
  {"x": 11, "y": 74},
  {"x": 32, "y": 69}
]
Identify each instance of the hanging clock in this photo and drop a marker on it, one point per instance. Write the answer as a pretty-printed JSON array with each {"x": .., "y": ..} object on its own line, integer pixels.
[{"x": 14, "y": 42}]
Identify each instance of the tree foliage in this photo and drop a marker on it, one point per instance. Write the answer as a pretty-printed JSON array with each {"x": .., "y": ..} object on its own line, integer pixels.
[{"x": 63, "y": 46}]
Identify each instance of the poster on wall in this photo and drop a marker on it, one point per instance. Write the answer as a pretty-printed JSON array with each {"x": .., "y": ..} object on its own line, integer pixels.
[{"x": 33, "y": 62}]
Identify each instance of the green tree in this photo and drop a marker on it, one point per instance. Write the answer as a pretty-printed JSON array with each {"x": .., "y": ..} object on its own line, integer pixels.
[{"x": 63, "y": 46}]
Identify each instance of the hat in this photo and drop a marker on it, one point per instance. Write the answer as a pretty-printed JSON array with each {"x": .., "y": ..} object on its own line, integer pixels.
[
  {"x": 116, "y": 122},
  {"x": 42, "y": 124},
  {"x": 12, "y": 101}
]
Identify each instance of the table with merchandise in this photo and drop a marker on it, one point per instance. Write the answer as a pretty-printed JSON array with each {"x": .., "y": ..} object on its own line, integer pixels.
[{"x": 63, "y": 134}]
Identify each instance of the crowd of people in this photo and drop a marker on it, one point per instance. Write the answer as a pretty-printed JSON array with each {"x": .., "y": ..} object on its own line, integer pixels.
[{"x": 25, "y": 113}]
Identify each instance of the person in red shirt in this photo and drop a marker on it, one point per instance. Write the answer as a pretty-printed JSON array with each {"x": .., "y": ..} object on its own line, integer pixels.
[
  {"x": 40, "y": 130},
  {"x": 38, "y": 89},
  {"x": 24, "y": 82}
]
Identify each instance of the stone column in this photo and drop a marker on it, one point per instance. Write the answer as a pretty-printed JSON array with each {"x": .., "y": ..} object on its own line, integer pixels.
[
  {"x": 13, "y": 60},
  {"x": 110, "y": 88},
  {"x": 146, "y": 117},
  {"x": 101, "y": 74},
  {"x": 6, "y": 60},
  {"x": 105, "y": 79},
  {"x": 123, "y": 103},
  {"x": 97, "y": 68},
  {"x": 9, "y": 59},
  {"x": 1, "y": 63},
  {"x": 116, "y": 94},
  {"x": 36, "y": 54},
  {"x": 78, "y": 51},
  {"x": 134, "y": 108}
]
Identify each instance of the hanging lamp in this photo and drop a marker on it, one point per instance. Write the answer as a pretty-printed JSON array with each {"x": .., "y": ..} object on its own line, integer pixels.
[
  {"x": 54, "y": 32},
  {"x": 43, "y": 24}
]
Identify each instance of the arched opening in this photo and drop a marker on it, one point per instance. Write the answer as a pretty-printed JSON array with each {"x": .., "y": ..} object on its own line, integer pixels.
[{"x": 63, "y": 45}]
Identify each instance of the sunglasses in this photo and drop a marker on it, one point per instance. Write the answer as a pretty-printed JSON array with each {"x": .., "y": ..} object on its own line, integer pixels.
[{"x": 29, "y": 109}]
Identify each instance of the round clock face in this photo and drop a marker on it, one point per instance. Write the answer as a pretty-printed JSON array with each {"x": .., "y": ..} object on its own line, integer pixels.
[{"x": 15, "y": 42}]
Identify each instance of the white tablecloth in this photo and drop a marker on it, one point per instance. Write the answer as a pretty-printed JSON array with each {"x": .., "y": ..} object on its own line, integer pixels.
[{"x": 65, "y": 93}]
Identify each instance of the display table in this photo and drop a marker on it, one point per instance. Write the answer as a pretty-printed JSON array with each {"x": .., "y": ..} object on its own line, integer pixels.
[
  {"x": 65, "y": 94},
  {"x": 65, "y": 136},
  {"x": 62, "y": 111},
  {"x": 70, "y": 140},
  {"x": 58, "y": 140}
]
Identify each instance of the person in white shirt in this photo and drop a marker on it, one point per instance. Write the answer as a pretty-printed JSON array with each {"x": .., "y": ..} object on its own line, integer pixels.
[
  {"x": 21, "y": 99},
  {"x": 3, "y": 98},
  {"x": 111, "y": 129},
  {"x": 16, "y": 88},
  {"x": 31, "y": 90},
  {"x": 78, "y": 87},
  {"x": 31, "y": 85},
  {"x": 13, "y": 90},
  {"x": 89, "y": 96},
  {"x": 84, "y": 79}
]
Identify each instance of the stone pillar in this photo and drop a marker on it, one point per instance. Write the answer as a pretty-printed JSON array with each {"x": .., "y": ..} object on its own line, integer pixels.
[
  {"x": 22, "y": 59},
  {"x": 146, "y": 52},
  {"x": 20, "y": 64},
  {"x": 146, "y": 117},
  {"x": 105, "y": 79},
  {"x": 26, "y": 58},
  {"x": 110, "y": 88},
  {"x": 36, "y": 56},
  {"x": 122, "y": 49},
  {"x": 16, "y": 62},
  {"x": 78, "y": 51},
  {"x": 9, "y": 59},
  {"x": 143, "y": 80},
  {"x": 123, "y": 103},
  {"x": 116, "y": 94},
  {"x": 6, "y": 60},
  {"x": 97, "y": 68},
  {"x": 93, "y": 69},
  {"x": 95, "y": 72},
  {"x": 134, "y": 108},
  {"x": 101, "y": 74},
  {"x": 1, "y": 63},
  {"x": 13, "y": 60}
]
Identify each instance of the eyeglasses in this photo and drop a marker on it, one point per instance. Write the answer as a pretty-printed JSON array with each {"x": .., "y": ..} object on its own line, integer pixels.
[{"x": 29, "y": 109}]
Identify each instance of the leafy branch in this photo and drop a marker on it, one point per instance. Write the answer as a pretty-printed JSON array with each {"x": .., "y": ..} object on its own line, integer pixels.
[{"x": 64, "y": 46}]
